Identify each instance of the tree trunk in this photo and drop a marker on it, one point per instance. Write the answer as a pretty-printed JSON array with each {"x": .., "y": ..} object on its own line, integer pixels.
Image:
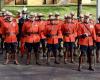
[{"x": 79, "y": 8}]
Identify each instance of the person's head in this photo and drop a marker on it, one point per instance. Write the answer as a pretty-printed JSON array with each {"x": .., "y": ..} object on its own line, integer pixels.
[
  {"x": 40, "y": 16},
  {"x": 57, "y": 15},
  {"x": 24, "y": 15},
  {"x": 72, "y": 14},
  {"x": 36, "y": 16},
  {"x": 68, "y": 18},
  {"x": 52, "y": 20},
  {"x": 99, "y": 19},
  {"x": 3, "y": 12},
  {"x": 86, "y": 18},
  {"x": 9, "y": 16},
  {"x": 50, "y": 15},
  {"x": 32, "y": 16},
  {"x": 81, "y": 18}
]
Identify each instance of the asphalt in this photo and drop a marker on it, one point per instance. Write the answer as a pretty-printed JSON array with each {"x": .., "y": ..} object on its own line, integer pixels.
[{"x": 47, "y": 72}]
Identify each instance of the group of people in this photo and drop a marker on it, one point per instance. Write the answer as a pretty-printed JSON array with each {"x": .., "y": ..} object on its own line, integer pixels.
[{"x": 28, "y": 33}]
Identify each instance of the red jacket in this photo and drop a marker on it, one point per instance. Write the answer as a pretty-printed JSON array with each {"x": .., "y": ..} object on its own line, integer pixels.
[
  {"x": 31, "y": 28},
  {"x": 9, "y": 31},
  {"x": 42, "y": 26},
  {"x": 54, "y": 31},
  {"x": 70, "y": 29},
  {"x": 59, "y": 22},
  {"x": 89, "y": 30},
  {"x": 97, "y": 29}
]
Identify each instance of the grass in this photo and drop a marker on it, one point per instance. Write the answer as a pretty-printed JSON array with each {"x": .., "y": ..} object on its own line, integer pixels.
[{"x": 61, "y": 9}]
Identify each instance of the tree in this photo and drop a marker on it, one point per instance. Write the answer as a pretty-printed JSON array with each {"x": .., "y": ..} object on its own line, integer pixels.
[{"x": 79, "y": 8}]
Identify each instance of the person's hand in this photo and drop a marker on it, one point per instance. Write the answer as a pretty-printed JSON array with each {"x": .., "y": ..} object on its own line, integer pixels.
[{"x": 60, "y": 40}]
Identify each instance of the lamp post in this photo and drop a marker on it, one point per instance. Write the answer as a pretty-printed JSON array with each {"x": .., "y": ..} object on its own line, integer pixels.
[{"x": 98, "y": 8}]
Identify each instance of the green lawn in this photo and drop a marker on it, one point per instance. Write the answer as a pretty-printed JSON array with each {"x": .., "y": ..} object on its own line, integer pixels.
[{"x": 62, "y": 10}]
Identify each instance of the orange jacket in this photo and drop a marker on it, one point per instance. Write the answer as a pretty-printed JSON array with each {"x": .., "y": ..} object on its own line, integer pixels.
[
  {"x": 1, "y": 19},
  {"x": 70, "y": 29},
  {"x": 1, "y": 22},
  {"x": 90, "y": 31},
  {"x": 42, "y": 26},
  {"x": 31, "y": 28},
  {"x": 9, "y": 31},
  {"x": 76, "y": 22},
  {"x": 54, "y": 31},
  {"x": 59, "y": 22},
  {"x": 97, "y": 29}
]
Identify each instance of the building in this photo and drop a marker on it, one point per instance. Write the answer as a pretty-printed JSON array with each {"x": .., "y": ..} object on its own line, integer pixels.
[{"x": 41, "y": 2}]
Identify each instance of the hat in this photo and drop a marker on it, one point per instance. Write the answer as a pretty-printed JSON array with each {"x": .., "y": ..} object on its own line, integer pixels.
[
  {"x": 81, "y": 16},
  {"x": 67, "y": 17},
  {"x": 52, "y": 18},
  {"x": 35, "y": 14},
  {"x": 72, "y": 13},
  {"x": 87, "y": 15},
  {"x": 24, "y": 9},
  {"x": 9, "y": 14},
  {"x": 50, "y": 14},
  {"x": 40, "y": 15},
  {"x": 31, "y": 14},
  {"x": 57, "y": 14}
]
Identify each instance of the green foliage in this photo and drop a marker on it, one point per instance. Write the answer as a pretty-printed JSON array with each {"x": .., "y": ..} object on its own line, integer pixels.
[{"x": 53, "y": 9}]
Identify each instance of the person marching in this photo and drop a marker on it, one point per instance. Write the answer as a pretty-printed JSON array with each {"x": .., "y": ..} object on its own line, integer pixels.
[
  {"x": 22, "y": 17},
  {"x": 42, "y": 25},
  {"x": 59, "y": 22},
  {"x": 75, "y": 21},
  {"x": 9, "y": 32},
  {"x": 30, "y": 29},
  {"x": 52, "y": 33},
  {"x": 49, "y": 18},
  {"x": 69, "y": 34},
  {"x": 97, "y": 29},
  {"x": 2, "y": 17},
  {"x": 87, "y": 36}
]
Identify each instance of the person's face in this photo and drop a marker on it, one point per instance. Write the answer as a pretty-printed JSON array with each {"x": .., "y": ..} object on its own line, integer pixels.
[
  {"x": 99, "y": 20},
  {"x": 9, "y": 18},
  {"x": 50, "y": 17},
  {"x": 69, "y": 20},
  {"x": 3, "y": 14},
  {"x": 24, "y": 16},
  {"x": 86, "y": 20},
  {"x": 57, "y": 17},
  {"x": 31, "y": 18},
  {"x": 72, "y": 16},
  {"x": 81, "y": 19},
  {"x": 52, "y": 21},
  {"x": 39, "y": 18}
]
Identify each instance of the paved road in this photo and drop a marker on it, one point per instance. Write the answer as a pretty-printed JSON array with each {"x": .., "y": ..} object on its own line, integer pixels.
[{"x": 44, "y": 72}]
